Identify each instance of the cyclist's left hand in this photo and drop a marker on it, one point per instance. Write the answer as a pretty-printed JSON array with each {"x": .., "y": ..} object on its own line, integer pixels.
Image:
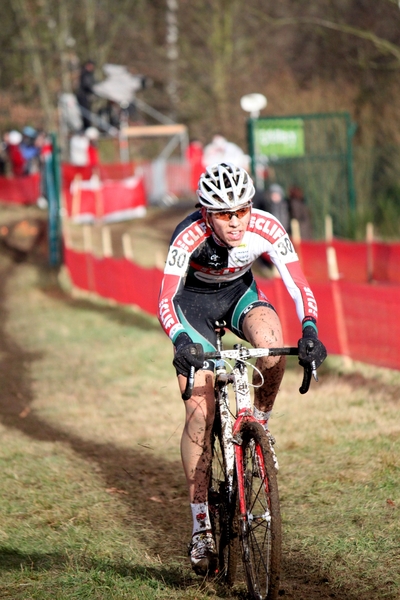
[
  {"x": 311, "y": 350},
  {"x": 187, "y": 355}
]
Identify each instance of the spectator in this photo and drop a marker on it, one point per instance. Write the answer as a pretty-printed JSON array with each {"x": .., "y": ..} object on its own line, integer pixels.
[
  {"x": 29, "y": 150},
  {"x": 92, "y": 135},
  {"x": 222, "y": 151},
  {"x": 194, "y": 156},
  {"x": 78, "y": 148},
  {"x": 85, "y": 91},
  {"x": 13, "y": 140},
  {"x": 111, "y": 113},
  {"x": 273, "y": 201},
  {"x": 3, "y": 158},
  {"x": 300, "y": 211}
]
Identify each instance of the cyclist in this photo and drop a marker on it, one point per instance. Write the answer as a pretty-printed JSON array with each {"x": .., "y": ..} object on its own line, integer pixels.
[{"x": 208, "y": 277}]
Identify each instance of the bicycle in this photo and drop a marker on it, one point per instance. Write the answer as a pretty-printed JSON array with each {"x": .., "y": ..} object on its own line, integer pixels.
[{"x": 243, "y": 494}]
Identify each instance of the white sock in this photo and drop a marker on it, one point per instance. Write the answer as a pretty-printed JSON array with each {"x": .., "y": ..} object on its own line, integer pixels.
[
  {"x": 201, "y": 517},
  {"x": 261, "y": 416}
]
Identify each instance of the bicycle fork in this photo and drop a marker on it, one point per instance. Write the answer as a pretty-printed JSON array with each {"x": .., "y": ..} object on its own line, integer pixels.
[{"x": 233, "y": 439}]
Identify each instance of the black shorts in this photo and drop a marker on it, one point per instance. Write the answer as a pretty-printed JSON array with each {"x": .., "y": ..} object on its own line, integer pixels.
[{"x": 199, "y": 309}]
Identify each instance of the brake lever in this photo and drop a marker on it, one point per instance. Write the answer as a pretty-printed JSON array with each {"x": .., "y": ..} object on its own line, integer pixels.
[
  {"x": 314, "y": 370},
  {"x": 309, "y": 370},
  {"x": 305, "y": 385},
  {"x": 187, "y": 394}
]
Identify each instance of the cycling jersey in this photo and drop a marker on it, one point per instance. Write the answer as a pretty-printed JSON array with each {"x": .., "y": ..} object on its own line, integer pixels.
[{"x": 199, "y": 269}]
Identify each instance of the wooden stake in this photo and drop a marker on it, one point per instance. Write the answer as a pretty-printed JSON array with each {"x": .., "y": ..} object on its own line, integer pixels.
[
  {"x": 127, "y": 246},
  {"x": 333, "y": 271},
  {"x": 87, "y": 238},
  {"x": 106, "y": 242},
  {"x": 328, "y": 229},
  {"x": 67, "y": 233},
  {"x": 296, "y": 235},
  {"x": 370, "y": 233},
  {"x": 334, "y": 276},
  {"x": 369, "y": 236}
]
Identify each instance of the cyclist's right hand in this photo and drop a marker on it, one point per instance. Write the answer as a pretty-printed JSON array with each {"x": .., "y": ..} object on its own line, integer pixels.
[
  {"x": 188, "y": 354},
  {"x": 311, "y": 350}
]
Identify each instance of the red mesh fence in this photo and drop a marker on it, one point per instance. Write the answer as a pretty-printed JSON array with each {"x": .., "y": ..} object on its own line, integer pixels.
[
  {"x": 178, "y": 175},
  {"x": 20, "y": 190},
  {"x": 312, "y": 256},
  {"x": 352, "y": 258},
  {"x": 372, "y": 322},
  {"x": 69, "y": 172},
  {"x": 357, "y": 261},
  {"x": 356, "y": 319},
  {"x": 386, "y": 261},
  {"x": 104, "y": 198},
  {"x": 117, "y": 170},
  {"x": 105, "y": 171},
  {"x": 117, "y": 279}
]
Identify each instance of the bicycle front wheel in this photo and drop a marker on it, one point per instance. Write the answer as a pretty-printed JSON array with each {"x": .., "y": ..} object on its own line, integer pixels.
[
  {"x": 260, "y": 522},
  {"x": 222, "y": 505}
]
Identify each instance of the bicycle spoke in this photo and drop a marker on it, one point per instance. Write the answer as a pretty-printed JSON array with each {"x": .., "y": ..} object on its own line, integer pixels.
[
  {"x": 222, "y": 513},
  {"x": 261, "y": 529}
]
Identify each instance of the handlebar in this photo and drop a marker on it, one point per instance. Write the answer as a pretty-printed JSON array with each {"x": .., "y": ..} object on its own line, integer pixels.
[{"x": 243, "y": 353}]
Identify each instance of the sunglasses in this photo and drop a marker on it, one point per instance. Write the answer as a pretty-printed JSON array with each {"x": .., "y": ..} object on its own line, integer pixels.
[{"x": 227, "y": 215}]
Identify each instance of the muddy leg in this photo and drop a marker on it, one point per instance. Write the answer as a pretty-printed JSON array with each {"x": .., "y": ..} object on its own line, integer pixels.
[
  {"x": 263, "y": 329},
  {"x": 196, "y": 436}
]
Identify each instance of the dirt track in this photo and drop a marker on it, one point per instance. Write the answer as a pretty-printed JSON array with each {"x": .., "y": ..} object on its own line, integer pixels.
[{"x": 136, "y": 471}]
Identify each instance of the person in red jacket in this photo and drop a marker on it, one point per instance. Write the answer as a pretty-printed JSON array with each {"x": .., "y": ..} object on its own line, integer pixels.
[
  {"x": 13, "y": 140},
  {"x": 194, "y": 156},
  {"x": 93, "y": 152}
]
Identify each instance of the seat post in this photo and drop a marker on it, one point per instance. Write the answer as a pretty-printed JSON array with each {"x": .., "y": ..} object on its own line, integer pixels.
[{"x": 220, "y": 331}]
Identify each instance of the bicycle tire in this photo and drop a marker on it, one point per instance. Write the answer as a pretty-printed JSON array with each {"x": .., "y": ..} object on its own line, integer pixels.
[
  {"x": 222, "y": 511},
  {"x": 260, "y": 529}
]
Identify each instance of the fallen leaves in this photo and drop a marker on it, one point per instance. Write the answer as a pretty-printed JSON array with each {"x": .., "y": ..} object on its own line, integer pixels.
[{"x": 114, "y": 490}]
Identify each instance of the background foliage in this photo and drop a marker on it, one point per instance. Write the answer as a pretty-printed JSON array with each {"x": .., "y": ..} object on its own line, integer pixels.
[{"x": 334, "y": 55}]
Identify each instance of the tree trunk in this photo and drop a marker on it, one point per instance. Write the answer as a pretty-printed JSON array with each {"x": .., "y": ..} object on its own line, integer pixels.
[{"x": 31, "y": 43}]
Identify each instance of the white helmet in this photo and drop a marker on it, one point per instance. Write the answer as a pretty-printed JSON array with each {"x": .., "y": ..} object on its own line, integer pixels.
[
  {"x": 225, "y": 187},
  {"x": 14, "y": 138},
  {"x": 92, "y": 133}
]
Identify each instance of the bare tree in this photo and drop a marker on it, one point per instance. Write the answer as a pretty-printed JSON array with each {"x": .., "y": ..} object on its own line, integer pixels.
[{"x": 29, "y": 37}]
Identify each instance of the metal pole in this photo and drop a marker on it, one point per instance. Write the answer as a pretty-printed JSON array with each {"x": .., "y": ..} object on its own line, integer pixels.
[{"x": 52, "y": 175}]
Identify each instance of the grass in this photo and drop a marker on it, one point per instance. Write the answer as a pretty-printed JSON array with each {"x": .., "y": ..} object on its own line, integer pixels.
[
  {"x": 93, "y": 501},
  {"x": 339, "y": 483}
]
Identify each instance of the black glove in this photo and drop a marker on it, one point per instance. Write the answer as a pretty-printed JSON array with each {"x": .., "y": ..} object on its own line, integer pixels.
[
  {"x": 311, "y": 349},
  {"x": 188, "y": 354}
]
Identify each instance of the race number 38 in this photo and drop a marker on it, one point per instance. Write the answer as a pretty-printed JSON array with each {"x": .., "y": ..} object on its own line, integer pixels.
[{"x": 176, "y": 261}]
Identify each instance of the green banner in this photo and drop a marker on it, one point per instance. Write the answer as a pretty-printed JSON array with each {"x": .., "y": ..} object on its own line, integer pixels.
[{"x": 279, "y": 137}]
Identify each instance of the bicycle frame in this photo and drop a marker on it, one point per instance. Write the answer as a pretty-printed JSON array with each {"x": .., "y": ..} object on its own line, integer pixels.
[{"x": 231, "y": 436}]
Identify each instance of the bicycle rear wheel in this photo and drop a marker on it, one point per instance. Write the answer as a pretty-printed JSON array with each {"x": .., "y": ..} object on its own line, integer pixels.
[
  {"x": 260, "y": 527},
  {"x": 222, "y": 507}
]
